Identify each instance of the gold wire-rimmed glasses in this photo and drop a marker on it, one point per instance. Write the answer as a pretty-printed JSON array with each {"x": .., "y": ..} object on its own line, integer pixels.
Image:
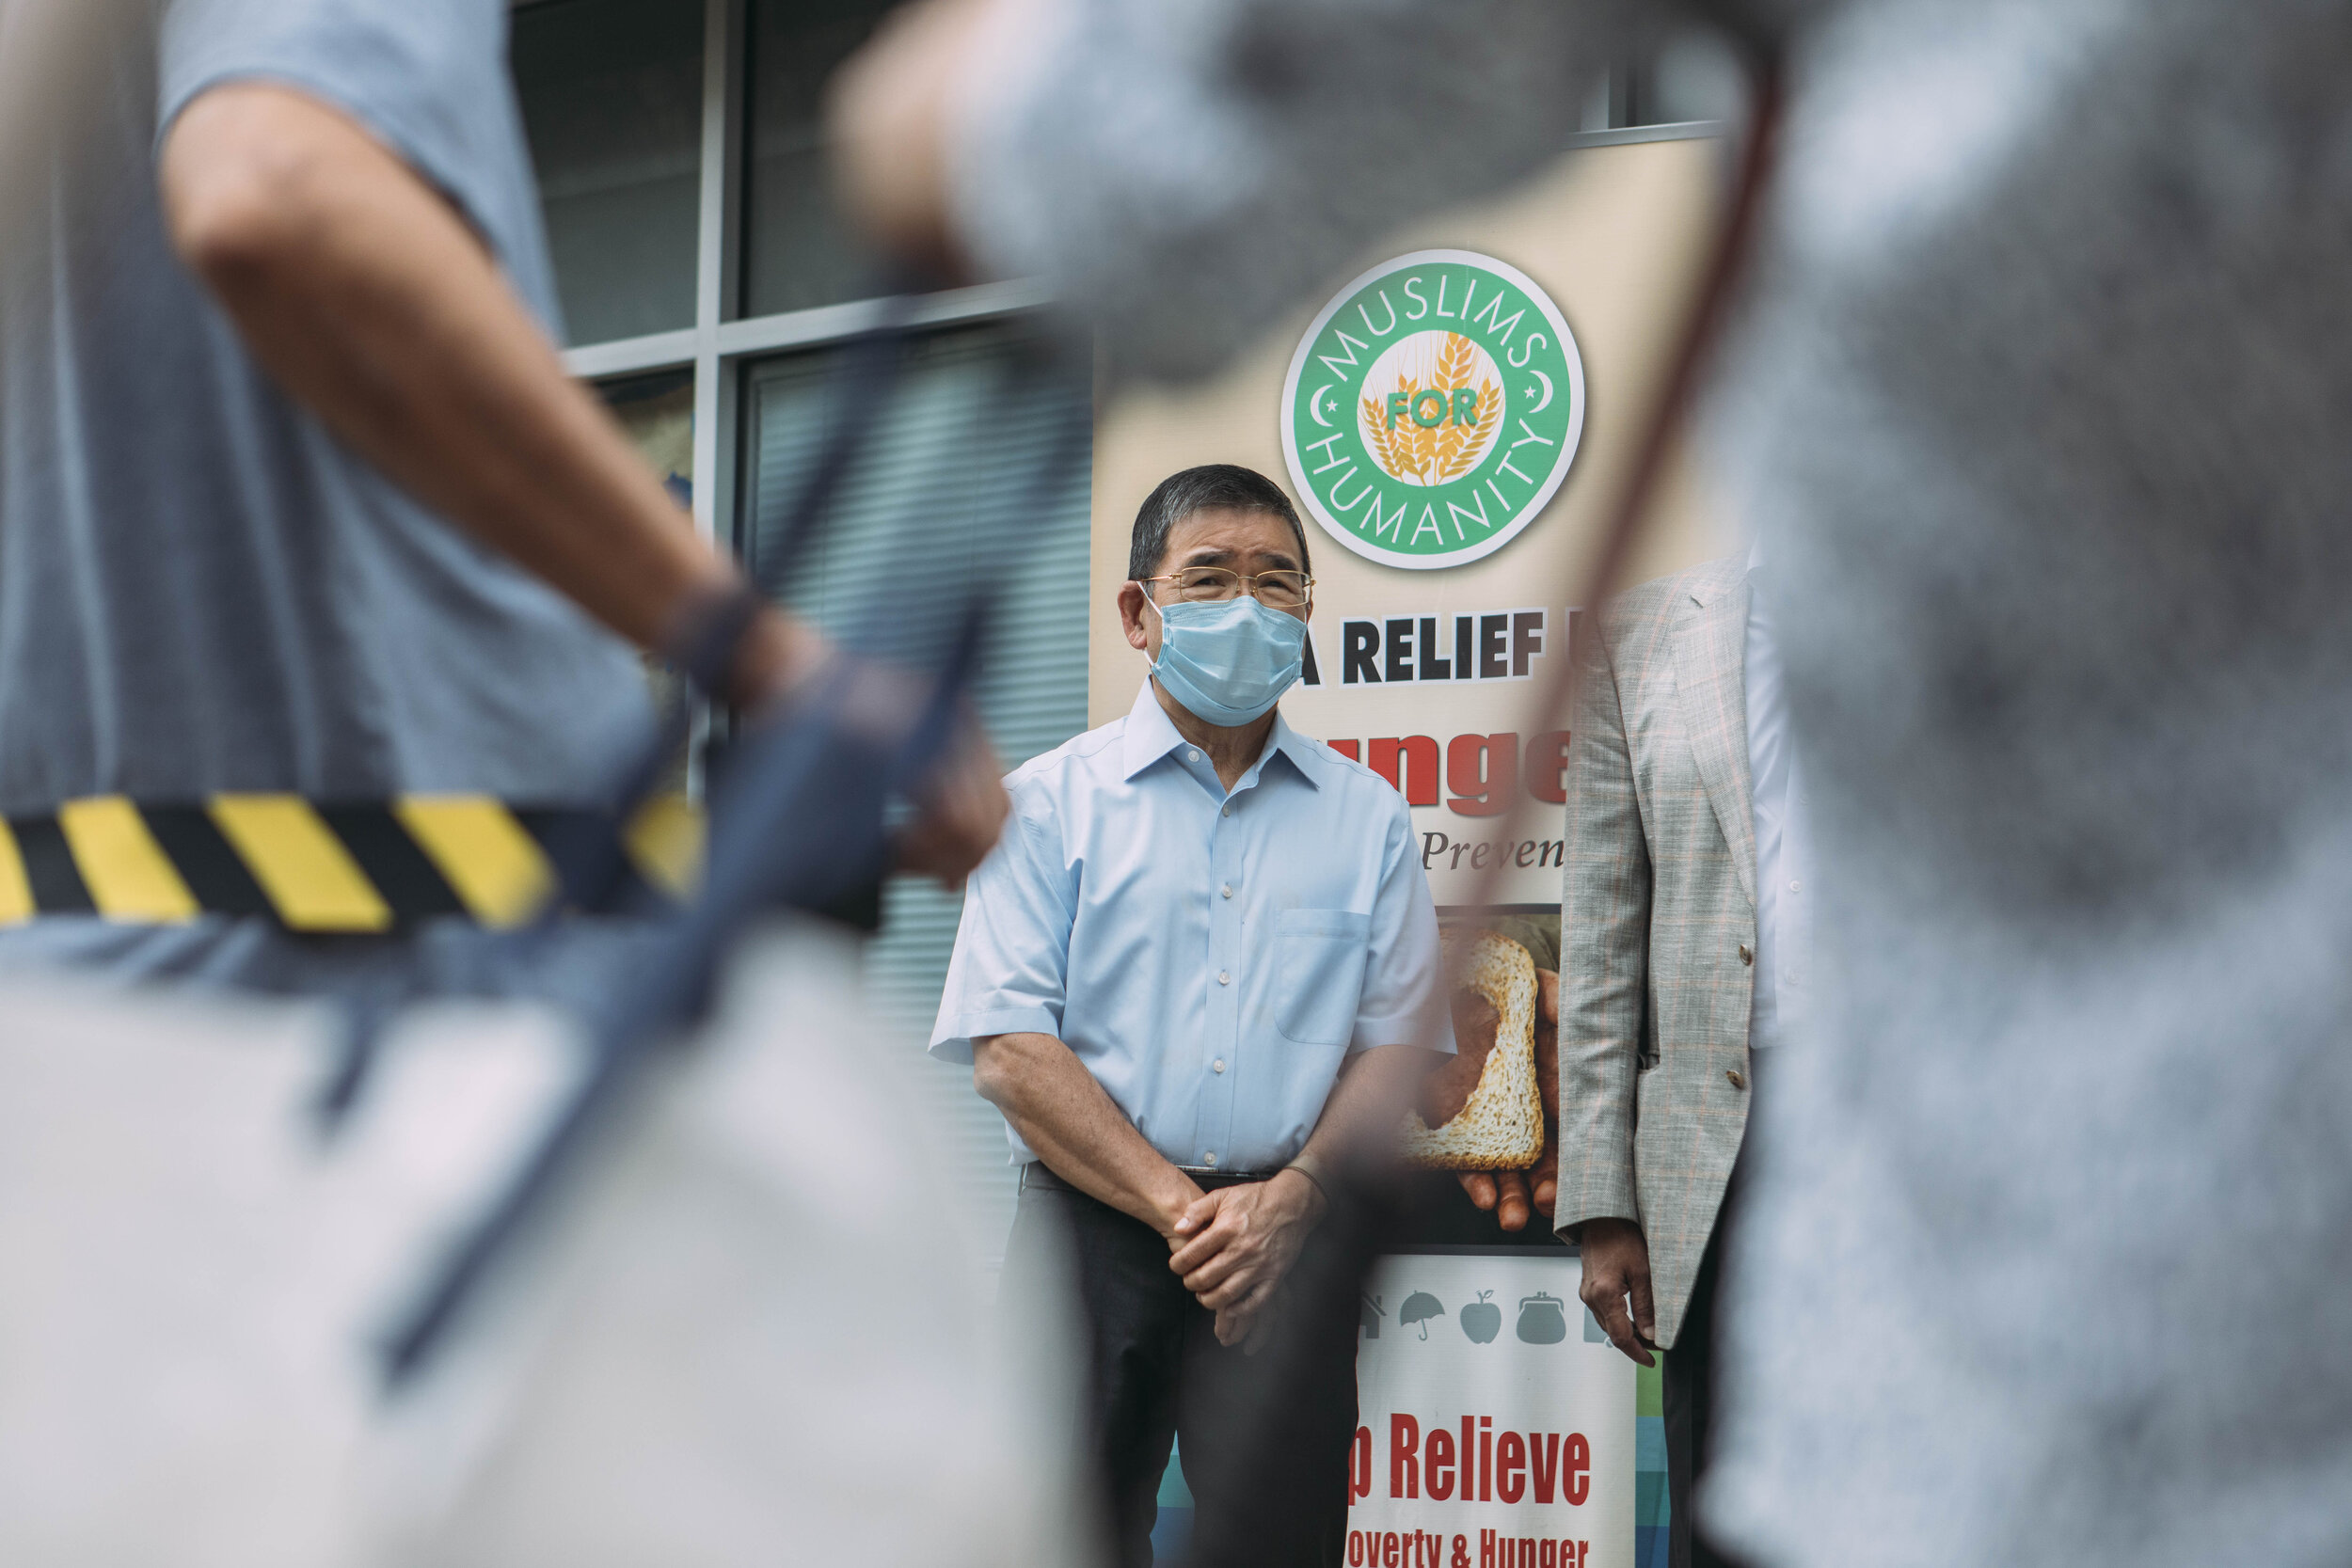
[{"x": 1207, "y": 584}]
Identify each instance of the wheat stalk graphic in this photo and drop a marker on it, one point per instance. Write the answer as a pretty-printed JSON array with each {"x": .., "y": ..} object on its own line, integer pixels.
[
  {"x": 1391, "y": 448},
  {"x": 1434, "y": 454}
]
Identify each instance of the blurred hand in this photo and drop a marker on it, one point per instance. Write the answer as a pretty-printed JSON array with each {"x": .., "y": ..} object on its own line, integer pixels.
[
  {"x": 964, "y": 809},
  {"x": 962, "y": 804},
  {"x": 1616, "y": 1268},
  {"x": 888, "y": 113},
  {"x": 1513, "y": 1196},
  {"x": 1235, "y": 1246},
  {"x": 778, "y": 652}
]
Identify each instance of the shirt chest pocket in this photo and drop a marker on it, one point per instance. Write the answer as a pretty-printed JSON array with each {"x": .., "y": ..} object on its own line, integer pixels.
[{"x": 1319, "y": 974}]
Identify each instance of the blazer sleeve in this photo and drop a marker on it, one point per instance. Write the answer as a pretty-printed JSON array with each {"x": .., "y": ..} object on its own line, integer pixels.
[{"x": 1604, "y": 953}]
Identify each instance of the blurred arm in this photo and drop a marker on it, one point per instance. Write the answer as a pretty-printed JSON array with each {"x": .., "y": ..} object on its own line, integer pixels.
[
  {"x": 1242, "y": 1240},
  {"x": 367, "y": 297},
  {"x": 1072, "y": 1124},
  {"x": 1361, "y": 1119},
  {"x": 373, "y": 304}
]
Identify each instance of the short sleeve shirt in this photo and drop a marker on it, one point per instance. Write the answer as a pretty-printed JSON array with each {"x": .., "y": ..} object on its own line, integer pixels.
[{"x": 1210, "y": 955}]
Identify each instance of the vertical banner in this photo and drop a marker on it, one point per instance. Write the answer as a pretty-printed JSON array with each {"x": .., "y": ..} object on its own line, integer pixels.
[
  {"x": 1454, "y": 419},
  {"x": 1496, "y": 1426}
]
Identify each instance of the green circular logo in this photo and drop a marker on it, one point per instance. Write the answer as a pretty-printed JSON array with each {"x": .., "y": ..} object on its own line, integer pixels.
[{"x": 1433, "y": 408}]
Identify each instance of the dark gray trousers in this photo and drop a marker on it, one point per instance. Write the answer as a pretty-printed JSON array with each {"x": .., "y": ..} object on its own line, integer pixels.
[
  {"x": 1264, "y": 1438},
  {"x": 1688, "y": 1374}
]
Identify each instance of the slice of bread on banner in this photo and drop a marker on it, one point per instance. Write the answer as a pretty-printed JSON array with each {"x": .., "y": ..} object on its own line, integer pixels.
[{"x": 1499, "y": 1124}]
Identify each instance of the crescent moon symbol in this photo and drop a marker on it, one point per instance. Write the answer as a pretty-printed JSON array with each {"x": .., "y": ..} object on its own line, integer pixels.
[
  {"x": 1547, "y": 380},
  {"x": 1314, "y": 406}
]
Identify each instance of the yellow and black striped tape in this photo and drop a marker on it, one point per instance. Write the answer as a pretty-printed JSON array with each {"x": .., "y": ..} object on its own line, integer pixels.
[{"x": 326, "y": 867}]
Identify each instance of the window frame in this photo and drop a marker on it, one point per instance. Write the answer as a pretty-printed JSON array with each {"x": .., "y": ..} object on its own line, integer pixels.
[{"x": 721, "y": 341}]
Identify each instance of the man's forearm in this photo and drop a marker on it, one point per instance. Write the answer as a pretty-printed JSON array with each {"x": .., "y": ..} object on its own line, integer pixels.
[
  {"x": 1072, "y": 1124},
  {"x": 366, "y": 295}
]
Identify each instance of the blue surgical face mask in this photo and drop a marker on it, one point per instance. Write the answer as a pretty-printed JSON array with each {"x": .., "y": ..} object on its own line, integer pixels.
[{"x": 1228, "y": 661}]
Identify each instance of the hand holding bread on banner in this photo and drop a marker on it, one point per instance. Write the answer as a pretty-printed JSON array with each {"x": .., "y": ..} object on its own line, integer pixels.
[{"x": 1492, "y": 1112}]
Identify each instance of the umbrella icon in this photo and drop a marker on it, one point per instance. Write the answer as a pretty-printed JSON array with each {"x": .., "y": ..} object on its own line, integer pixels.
[{"x": 1418, "y": 1308}]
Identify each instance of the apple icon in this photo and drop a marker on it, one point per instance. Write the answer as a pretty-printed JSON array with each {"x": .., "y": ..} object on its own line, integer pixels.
[{"x": 1482, "y": 1320}]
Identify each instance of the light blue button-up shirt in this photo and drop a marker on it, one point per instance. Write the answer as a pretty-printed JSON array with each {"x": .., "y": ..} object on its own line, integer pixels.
[
  {"x": 1784, "y": 847},
  {"x": 1211, "y": 957}
]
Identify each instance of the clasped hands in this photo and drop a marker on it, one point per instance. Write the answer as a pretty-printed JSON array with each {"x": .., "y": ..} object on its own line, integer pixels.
[{"x": 1234, "y": 1247}]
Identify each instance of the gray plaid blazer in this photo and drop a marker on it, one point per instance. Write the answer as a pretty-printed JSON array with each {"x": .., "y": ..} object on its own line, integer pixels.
[{"x": 1657, "y": 920}]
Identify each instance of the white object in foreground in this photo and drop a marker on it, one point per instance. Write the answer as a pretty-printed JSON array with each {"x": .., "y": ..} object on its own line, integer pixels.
[{"x": 751, "y": 1334}]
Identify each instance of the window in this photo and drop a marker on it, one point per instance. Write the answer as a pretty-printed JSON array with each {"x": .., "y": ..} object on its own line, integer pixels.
[
  {"x": 611, "y": 98},
  {"x": 1692, "y": 76},
  {"x": 657, "y": 412},
  {"x": 797, "y": 250}
]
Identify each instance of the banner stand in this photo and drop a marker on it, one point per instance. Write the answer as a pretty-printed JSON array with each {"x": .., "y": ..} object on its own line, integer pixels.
[{"x": 1497, "y": 1426}]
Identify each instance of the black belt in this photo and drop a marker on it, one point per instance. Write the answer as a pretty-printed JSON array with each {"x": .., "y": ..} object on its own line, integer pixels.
[{"x": 1035, "y": 1175}]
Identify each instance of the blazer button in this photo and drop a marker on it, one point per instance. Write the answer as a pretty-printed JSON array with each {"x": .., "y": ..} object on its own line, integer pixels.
[
  {"x": 1745, "y": 956},
  {"x": 1737, "y": 1081}
]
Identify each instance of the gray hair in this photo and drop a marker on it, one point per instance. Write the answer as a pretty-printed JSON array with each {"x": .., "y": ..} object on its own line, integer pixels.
[{"x": 1210, "y": 487}]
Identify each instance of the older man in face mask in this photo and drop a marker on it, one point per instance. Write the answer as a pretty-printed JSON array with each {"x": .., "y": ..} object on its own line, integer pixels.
[{"x": 1201, "y": 962}]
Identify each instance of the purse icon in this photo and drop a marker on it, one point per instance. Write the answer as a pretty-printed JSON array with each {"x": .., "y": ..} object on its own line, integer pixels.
[{"x": 1543, "y": 1319}]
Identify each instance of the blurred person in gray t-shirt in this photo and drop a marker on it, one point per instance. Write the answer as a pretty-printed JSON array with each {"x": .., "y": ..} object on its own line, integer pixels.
[{"x": 295, "y": 495}]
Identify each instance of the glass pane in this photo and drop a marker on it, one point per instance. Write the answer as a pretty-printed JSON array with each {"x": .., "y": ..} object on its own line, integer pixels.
[
  {"x": 612, "y": 95},
  {"x": 943, "y": 491},
  {"x": 797, "y": 252},
  {"x": 1695, "y": 75},
  {"x": 657, "y": 413}
]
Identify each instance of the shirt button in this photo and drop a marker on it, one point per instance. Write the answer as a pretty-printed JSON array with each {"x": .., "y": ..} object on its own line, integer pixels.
[
  {"x": 1192, "y": 756},
  {"x": 1225, "y": 810},
  {"x": 1795, "y": 888},
  {"x": 1737, "y": 1081},
  {"x": 1745, "y": 956},
  {"x": 1210, "y": 1158},
  {"x": 1225, "y": 890},
  {"x": 1218, "y": 1065},
  {"x": 1223, "y": 978}
]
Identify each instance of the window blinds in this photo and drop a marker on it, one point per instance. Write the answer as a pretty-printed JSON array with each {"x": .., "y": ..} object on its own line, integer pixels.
[{"x": 942, "y": 493}]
